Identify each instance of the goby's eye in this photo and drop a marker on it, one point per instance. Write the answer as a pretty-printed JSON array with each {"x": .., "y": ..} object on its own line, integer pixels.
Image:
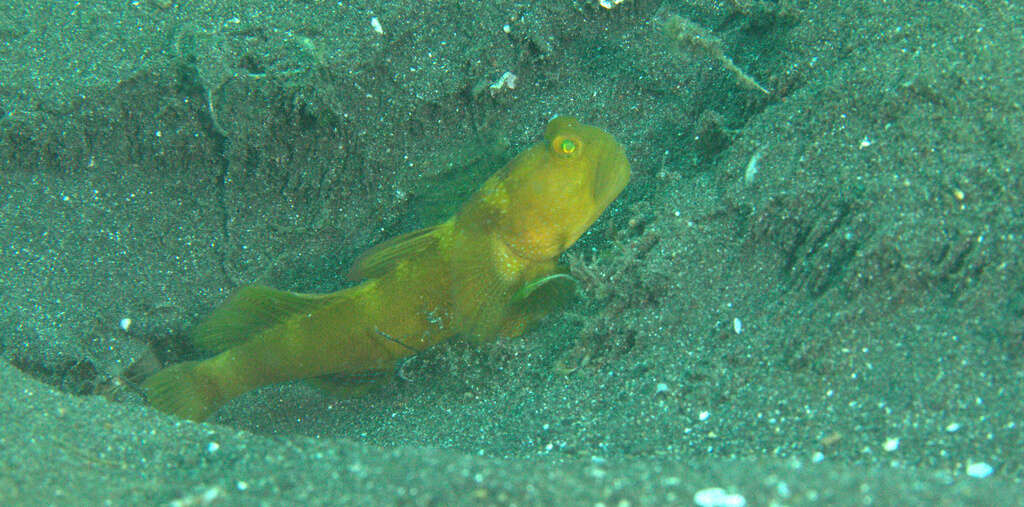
[{"x": 565, "y": 146}]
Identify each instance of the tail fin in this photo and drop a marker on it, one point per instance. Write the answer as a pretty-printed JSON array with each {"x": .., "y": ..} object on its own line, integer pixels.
[
  {"x": 181, "y": 391},
  {"x": 191, "y": 389}
]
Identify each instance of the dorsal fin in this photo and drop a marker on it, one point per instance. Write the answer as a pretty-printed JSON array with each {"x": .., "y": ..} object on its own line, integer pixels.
[
  {"x": 248, "y": 312},
  {"x": 378, "y": 260}
]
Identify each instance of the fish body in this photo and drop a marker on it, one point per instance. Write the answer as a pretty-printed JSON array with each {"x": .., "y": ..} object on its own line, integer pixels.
[{"x": 489, "y": 270}]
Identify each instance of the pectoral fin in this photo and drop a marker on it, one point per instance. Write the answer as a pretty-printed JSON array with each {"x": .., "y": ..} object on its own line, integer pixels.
[
  {"x": 530, "y": 303},
  {"x": 545, "y": 293},
  {"x": 537, "y": 298}
]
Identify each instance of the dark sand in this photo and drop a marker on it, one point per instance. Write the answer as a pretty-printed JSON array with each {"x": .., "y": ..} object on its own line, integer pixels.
[{"x": 844, "y": 325}]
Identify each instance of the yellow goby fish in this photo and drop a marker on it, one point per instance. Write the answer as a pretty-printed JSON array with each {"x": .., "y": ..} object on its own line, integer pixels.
[{"x": 489, "y": 270}]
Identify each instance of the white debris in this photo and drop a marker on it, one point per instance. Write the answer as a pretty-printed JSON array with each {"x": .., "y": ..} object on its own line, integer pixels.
[
  {"x": 782, "y": 489},
  {"x": 891, "y": 444},
  {"x": 751, "y": 171},
  {"x": 609, "y": 4},
  {"x": 661, "y": 388},
  {"x": 979, "y": 470},
  {"x": 952, "y": 427},
  {"x": 375, "y": 23},
  {"x": 507, "y": 80},
  {"x": 737, "y": 325},
  {"x": 704, "y": 415},
  {"x": 205, "y": 498},
  {"x": 717, "y": 497},
  {"x": 124, "y": 324},
  {"x": 212, "y": 447}
]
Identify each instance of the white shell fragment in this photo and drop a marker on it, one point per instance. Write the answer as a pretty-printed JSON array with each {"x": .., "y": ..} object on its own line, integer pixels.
[
  {"x": 717, "y": 497},
  {"x": 979, "y": 470},
  {"x": 891, "y": 444},
  {"x": 507, "y": 80},
  {"x": 609, "y": 4},
  {"x": 750, "y": 173}
]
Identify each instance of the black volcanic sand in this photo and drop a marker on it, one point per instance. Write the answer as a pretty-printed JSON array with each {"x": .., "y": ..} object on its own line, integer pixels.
[{"x": 809, "y": 296}]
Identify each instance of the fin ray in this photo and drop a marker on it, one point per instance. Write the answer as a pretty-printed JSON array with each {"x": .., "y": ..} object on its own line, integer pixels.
[
  {"x": 480, "y": 291},
  {"x": 178, "y": 390},
  {"x": 382, "y": 258}
]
